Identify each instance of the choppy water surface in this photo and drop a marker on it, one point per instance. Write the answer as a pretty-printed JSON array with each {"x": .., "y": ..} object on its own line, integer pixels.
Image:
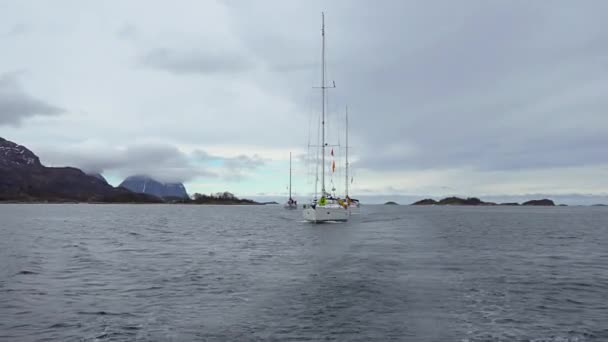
[{"x": 182, "y": 273}]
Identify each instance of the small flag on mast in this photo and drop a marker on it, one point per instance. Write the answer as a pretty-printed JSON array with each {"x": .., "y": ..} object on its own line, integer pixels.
[
  {"x": 333, "y": 166},
  {"x": 332, "y": 152}
]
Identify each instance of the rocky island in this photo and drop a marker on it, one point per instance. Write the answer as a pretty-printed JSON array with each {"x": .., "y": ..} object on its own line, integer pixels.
[
  {"x": 221, "y": 198},
  {"x": 453, "y": 201},
  {"x": 542, "y": 202},
  {"x": 474, "y": 201}
]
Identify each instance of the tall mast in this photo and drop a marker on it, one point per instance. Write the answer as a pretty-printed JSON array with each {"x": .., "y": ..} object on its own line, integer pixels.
[
  {"x": 346, "y": 168},
  {"x": 317, "y": 159},
  {"x": 323, "y": 104},
  {"x": 289, "y": 175}
]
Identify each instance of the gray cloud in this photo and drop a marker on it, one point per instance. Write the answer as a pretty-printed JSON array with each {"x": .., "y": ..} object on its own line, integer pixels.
[
  {"x": 163, "y": 162},
  {"x": 232, "y": 168},
  {"x": 244, "y": 162},
  {"x": 474, "y": 84},
  {"x": 195, "y": 61},
  {"x": 240, "y": 162},
  {"x": 17, "y": 29},
  {"x": 16, "y": 105},
  {"x": 127, "y": 31},
  {"x": 432, "y": 86}
]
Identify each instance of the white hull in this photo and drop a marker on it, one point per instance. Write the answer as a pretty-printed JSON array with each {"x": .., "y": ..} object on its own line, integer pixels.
[{"x": 325, "y": 214}]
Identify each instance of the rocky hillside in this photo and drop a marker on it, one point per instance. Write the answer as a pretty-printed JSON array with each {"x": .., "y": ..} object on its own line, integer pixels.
[
  {"x": 13, "y": 156},
  {"x": 24, "y": 178},
  {"x": 98, "y": 176}
]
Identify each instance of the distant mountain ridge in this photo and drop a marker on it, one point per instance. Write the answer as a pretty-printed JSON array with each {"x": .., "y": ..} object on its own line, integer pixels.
[
  {"x": 147, "y": 185},
  {"x": 24, "y": 178}
]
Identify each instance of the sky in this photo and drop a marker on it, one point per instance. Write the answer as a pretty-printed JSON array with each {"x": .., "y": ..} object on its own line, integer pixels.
[{"x": 477, "y": 98}]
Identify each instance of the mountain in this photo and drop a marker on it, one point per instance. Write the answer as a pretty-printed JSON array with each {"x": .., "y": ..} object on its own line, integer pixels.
[
  {"x": 24, "y": 178},
  {"x": 146, "y": 185},
  {"x": 17, "y": 156}
]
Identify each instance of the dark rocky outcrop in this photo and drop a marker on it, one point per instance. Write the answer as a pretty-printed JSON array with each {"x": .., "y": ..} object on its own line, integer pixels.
[
  {"x": 477, "y": 201},
  {"x": 541, "y": 202},
  {"x": 453, "y": 201},
  {"x": 391, "y": 203},
  {"x": 146, "y": 185},
  {"x": 426, "y": 201},
  {"x": 17, "y": 157},
  {"x": 463, "y": 201},
  {"x": 98, "y": 176},
  {"x": 24, "y": 178}
]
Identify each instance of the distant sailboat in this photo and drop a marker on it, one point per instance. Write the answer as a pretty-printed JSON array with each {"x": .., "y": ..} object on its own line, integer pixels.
[
  {"x": 291, "y": 203},
  {"x": 327, "y": 208},
  {"x": 353, "y": 204}
]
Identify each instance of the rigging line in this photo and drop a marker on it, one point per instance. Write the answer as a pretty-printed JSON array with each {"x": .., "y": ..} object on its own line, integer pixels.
[
  {"x": 317, "y": 156},
  {"x": 309, "y": 137}
]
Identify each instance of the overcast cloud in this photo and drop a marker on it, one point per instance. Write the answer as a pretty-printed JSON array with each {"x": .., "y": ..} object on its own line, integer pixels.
[
  {"x": 161, "y": 161},
  {"x": 493, "y": 98},
  {"x": 16, "y": 105},
  {"x": 182, "y": 62}
]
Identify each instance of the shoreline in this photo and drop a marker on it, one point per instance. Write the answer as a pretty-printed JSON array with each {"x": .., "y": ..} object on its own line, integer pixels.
[
  {"x": 155, "y": 203},
  {"x": 272, "y": 204}
]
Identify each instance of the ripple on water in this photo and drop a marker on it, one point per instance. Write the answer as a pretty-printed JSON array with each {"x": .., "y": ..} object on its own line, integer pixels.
[{"x": 124, "y": 273}]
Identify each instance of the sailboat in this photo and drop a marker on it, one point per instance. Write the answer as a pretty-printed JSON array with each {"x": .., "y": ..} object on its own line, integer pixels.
[
  {"x": 327, "y": 208},
  {"x": 291, "y": 203},
  {"x": 352, "y": 204}
]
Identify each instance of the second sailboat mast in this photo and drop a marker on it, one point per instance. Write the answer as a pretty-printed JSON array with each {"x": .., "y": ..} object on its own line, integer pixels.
[{"x": 346, "y": 168}]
